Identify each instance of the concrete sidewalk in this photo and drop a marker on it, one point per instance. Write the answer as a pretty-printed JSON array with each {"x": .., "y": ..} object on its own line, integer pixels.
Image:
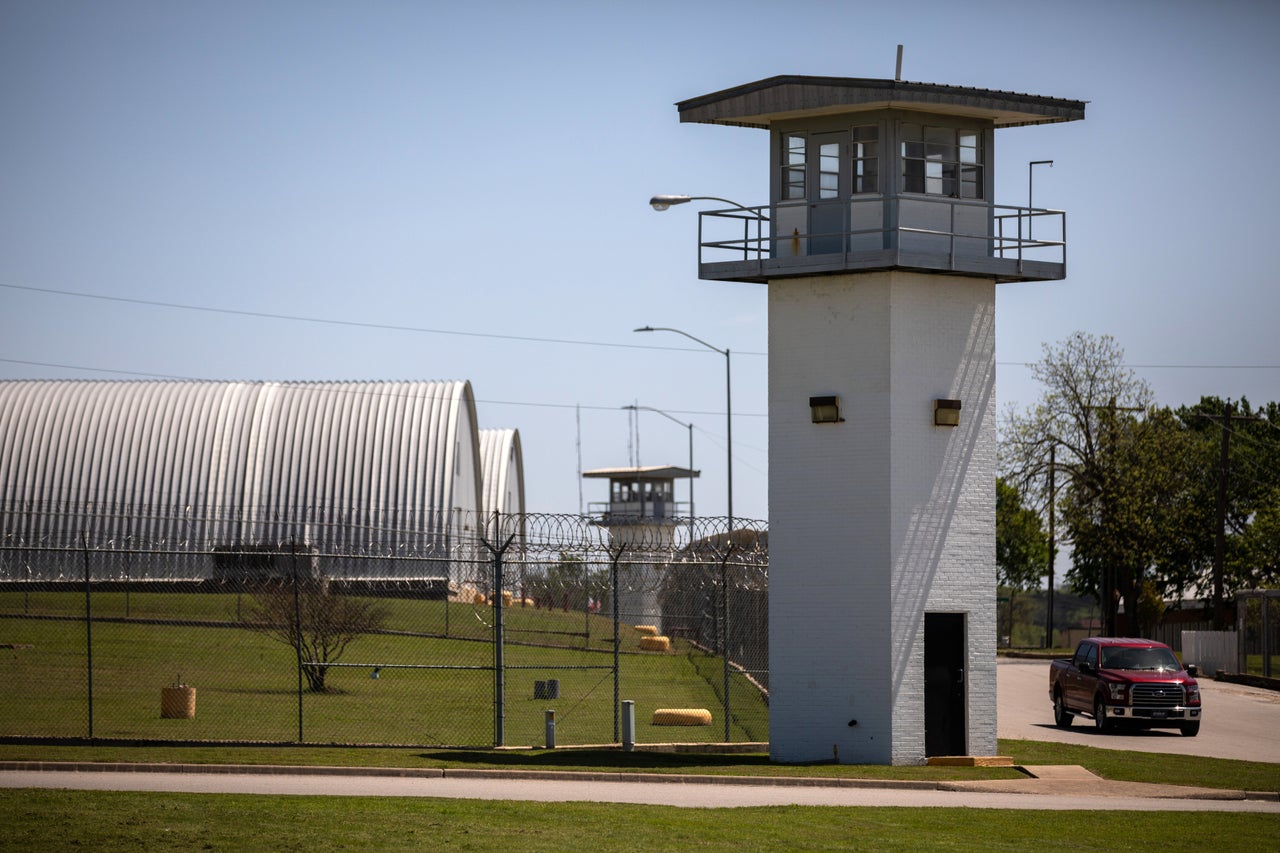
[{"x": 1047, "y": 780}]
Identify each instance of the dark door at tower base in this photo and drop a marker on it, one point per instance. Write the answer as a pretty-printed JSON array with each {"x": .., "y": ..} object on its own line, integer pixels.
[{"x": 944, "y": 690}]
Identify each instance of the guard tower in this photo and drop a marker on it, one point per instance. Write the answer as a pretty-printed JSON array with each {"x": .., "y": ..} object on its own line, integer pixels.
[
  {"x": 641, "y": 513},
  {"x": 881, "y": 246}
]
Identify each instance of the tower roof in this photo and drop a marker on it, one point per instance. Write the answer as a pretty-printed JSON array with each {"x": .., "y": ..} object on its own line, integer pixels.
[
  {"x": 645, "y": 472},
  {"x": 791, "y": 96}
]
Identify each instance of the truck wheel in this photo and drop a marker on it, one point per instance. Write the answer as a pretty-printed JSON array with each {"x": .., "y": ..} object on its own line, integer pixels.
[
  {"x": 1061, "y": 716},
  {"x": 1100, "y": 721},
  {"x": 1190, "y": 729}
]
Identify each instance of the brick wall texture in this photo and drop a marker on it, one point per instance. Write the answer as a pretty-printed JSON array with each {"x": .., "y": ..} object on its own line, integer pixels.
[{"x": 879, "y": 519}]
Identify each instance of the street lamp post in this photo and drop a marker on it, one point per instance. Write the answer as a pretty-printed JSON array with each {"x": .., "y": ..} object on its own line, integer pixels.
[
  {"x": 1031, "y": 214},
  {"x": 728, "y": 409},
  {"x": 662, "y": 202},
  {"x": 728, "y": 406},
  {"x": 688, "y": 426}
]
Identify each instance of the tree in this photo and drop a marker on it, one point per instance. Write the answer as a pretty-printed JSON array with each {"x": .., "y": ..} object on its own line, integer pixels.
[
  {"x": 1124, "y": 527},
  {"x": 569, "y": 582},
  {"x": 1138, "y": 486},
  {"x": 308, "y": 615},
  {"x": 1022, "y": 546},
  {"x": 1252, "y": 489},
  {"x": 1087, "y": 402}
]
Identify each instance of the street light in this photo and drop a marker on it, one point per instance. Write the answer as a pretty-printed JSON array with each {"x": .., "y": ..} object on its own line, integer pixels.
[
  {"x": 1030, "y": 177},
  {"x": 688, "y": 426},
  {"x": 728, "y": 409},
  {"x": 662, "y": 202},
  {"x": 728, "y": 406}
]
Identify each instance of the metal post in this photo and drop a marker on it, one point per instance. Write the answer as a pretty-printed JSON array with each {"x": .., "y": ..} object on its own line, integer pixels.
[
  {"x": 728, "y": 409},
  {"x": 1266, "y": 634},
  {"x": 1220, "y": 532},
  {"x": 297, "y": 627},
  {"x": 499, "y": 699},
  {"x": 1048, "y": 616},
  {"x": 691, "y": 478},
  {"x": 628, "y": 726},
  {"x": 1031, "y": 207},
  {"x": 614, "y": 557},
  {"x": 550, "y": 725},
  {"x": 88, "y": 629},
  {"x": 499, "y": 638},
  {"x": 724, "y": 627}
]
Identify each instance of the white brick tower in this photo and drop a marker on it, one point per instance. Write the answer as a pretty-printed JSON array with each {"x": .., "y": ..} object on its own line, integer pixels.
[{"x": 881, "y": 248}]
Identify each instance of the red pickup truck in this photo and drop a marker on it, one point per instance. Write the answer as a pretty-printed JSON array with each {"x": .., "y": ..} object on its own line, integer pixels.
[{"x": 1114, "y": 679}]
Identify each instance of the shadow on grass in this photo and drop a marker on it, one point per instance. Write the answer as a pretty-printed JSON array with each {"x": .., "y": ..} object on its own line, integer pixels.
[{"x": 598, "y": 758}]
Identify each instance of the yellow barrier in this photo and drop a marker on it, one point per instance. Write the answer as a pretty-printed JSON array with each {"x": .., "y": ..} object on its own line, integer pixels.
[{"x": 682, "y": 717}]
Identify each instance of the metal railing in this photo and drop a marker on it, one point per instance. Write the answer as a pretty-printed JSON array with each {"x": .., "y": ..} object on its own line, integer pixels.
[
  {"x": 1007, "y": 232},
  {"x": 639, "y": 511}
]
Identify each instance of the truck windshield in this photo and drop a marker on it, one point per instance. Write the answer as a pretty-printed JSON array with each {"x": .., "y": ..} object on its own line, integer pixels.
[{"x": 1158, "y": 660}]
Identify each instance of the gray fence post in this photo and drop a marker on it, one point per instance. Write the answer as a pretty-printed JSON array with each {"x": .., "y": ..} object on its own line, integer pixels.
[
  {"x": 724, "y": 623},
  {"x": 614, "y": 556},
  {"x": 628, "y": 725},
  {"x": 297, "y": 626},
  {"x": 88, "y": 629},
  {"x": 499, "y": 699}
]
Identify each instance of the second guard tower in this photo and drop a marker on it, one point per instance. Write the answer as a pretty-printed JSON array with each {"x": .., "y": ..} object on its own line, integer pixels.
[
  {"x": 641, "y": 513},
  {"x": 881, "y": 246}
]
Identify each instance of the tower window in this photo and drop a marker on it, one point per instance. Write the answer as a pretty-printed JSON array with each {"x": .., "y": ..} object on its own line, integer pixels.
[
  {"x": 865, "y": 154},
  {"x": 942, "y": 161},
  {"x": 793, "y": 166}
]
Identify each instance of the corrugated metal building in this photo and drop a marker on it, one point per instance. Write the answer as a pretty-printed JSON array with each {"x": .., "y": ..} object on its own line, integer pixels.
[
  {"x": 502, "y": 463},
  {"x": 380, "y": 467}
]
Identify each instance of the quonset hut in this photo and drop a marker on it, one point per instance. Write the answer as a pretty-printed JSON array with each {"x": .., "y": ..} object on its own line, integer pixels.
[
  {"x": 375, "y": 468},
  {"x": 502, "y": 465}
]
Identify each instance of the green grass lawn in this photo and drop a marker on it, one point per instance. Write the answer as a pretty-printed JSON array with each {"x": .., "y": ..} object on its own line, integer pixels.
[
  {"x": 247, "y": 684},
  {"x": 1118, "y": 765},
  {"x": 77, "y": 820}
]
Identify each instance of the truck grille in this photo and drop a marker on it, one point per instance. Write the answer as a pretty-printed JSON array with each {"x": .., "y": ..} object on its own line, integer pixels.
[{"x": 1157, "y": 695}]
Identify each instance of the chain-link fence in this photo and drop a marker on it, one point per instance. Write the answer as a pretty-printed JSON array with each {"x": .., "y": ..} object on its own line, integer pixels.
[
  {"x": 1258, "y": 632},
  {"x": 374, "y": 636}
]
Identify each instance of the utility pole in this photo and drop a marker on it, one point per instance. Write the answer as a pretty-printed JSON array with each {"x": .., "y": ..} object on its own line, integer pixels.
[
  {"x": 1220, "y": 536},
  {"x": 1048, "y": 611},
  {"x": 1108, "y": 596}
]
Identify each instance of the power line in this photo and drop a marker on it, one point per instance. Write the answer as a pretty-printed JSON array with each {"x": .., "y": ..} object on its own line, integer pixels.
[
  {"x": 393, "y": 327},
  {"x": 1164, "y": 366},
  {"x": 178, "y": 378},
  {"x": 358, "y": 324}
]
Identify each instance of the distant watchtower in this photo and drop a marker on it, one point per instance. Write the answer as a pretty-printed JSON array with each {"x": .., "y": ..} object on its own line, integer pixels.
[
  {"x": 641, "y": 512},
  {"x": 881, "y": 246}
]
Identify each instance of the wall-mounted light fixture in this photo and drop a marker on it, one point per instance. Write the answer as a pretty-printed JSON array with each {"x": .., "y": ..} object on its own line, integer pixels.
[
  {"x": 946, "y": 413},
  {"x": 825, "y": 410}
]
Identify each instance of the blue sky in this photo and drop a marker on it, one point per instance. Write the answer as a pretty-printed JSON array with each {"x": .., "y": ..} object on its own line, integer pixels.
[{"x": 476, "y": 176}]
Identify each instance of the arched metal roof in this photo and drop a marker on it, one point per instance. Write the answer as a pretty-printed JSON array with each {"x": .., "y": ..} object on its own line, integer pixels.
[
  {"x": 502, "y": 464},
  {"x": 219, "y": 462}
]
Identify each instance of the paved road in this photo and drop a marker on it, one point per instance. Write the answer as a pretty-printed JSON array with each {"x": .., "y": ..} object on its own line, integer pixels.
[
  {"x": 685, "y": 794},
  {"x": 1239, "y": 722}
]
